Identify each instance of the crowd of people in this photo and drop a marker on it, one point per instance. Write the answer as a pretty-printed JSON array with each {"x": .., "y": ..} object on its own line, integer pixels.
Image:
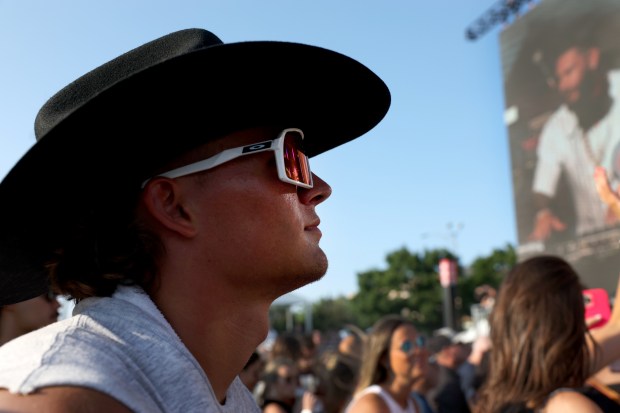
[{"x": 540, "y": 356}]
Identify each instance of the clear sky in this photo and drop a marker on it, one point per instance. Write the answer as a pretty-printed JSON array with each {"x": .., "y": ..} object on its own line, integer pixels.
[{"x": 439, "y": 157}]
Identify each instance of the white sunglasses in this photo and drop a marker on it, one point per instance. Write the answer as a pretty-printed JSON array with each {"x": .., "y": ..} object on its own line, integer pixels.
[{"x": 291, "y": 161}]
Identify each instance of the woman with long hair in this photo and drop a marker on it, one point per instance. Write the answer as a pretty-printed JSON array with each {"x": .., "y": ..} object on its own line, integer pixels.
[
  {"x": 542, "y": 350},
  {"x": 394, "y": 358}
]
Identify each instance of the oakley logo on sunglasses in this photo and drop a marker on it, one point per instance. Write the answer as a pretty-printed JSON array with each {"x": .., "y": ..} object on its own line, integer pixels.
[{"x": 256, "y": 147}]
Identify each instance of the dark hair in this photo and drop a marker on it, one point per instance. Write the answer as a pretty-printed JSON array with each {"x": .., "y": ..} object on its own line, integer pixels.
[
  {"x": 254, "y": 357},
  {"x": 286, "y": 345},
  {"x": 110, "y": 244},
  {"x": 538, "y": 335},
  {"x": 107, "y": 247},
  {"x": 337, "y": 375},
  {"x": 580, "y": 33},
  {"x": 265, "y": 392}
]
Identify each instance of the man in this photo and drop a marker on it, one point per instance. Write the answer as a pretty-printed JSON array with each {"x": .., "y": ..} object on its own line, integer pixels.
[
  {"x": 447, "y": 396},
  {"x": 21, "y": 318},
  {"x": 183, "y": 206},
  {"x": 581, "y": 134}
]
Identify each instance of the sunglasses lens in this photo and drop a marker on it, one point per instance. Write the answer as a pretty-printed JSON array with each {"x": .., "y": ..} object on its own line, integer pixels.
[
  {"x": 420, "y": 341},
  {"x": 295, "y": 160},
  {"x": 407, "y": 346}
]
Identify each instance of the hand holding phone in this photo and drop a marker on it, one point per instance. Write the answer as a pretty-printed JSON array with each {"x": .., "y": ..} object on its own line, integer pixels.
[{"x": 596, "y": 302}]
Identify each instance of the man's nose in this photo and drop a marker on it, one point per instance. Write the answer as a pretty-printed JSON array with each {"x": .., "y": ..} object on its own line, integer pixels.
[{"x": 319, "y": 192}]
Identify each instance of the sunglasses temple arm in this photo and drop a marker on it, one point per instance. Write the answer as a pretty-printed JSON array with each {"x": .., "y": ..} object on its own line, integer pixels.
[{"x": 205, "y": 164}]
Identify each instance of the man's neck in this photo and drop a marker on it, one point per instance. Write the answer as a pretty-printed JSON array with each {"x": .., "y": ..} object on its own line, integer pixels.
[{"x": 220, "y": 329}]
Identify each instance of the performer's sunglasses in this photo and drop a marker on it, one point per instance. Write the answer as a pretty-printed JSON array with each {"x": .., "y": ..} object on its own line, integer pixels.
[{"x": 291, "y": 160}]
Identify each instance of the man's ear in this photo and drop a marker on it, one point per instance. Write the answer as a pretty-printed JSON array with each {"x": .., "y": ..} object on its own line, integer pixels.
[
  {"x": 594, "y": 56},
  {"x": 163, "y": 198}
]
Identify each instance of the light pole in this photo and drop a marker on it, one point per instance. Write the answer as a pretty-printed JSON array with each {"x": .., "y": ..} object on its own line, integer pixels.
[
  {"x": 451, "y": 235},
  {"x": 448, "y": 273}
]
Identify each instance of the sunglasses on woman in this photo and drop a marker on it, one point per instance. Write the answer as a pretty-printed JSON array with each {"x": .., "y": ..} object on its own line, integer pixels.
[
  {"x": 291, "y": 160},
  {"x": 408, "y": 346}
]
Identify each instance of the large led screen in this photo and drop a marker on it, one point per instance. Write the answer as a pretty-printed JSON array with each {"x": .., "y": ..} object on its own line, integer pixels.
[{"x": 561, "y": 71}]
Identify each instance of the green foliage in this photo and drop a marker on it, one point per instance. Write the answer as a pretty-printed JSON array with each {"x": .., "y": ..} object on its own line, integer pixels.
[
  {"x": 408, "y": 286},
  {"x": 333, "y": 314},
  {"x": 277, "y": 318},
  {"x": 489, "y": 270}
]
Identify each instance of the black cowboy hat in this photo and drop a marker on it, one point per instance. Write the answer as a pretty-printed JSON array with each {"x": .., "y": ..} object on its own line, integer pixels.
[{"x": 101, "y": 135}]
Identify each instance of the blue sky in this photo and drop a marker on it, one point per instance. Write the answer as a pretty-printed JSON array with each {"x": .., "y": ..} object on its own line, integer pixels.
[{"x": 440, "y": 156}]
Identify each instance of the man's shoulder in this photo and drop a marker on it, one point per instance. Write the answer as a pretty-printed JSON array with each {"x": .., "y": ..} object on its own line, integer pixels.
[
  {"x": 67, "y": 352},
  {"x": 61, "y": 399},
  {"x": 32, "y": 346}
]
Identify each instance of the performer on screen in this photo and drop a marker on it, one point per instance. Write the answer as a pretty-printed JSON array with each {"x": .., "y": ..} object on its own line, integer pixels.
[{"x": 581, "y": 134}]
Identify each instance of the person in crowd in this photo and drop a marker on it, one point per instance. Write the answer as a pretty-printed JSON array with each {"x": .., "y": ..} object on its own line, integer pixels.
[
  {"x": 394, "y": 358},
  {"x": 470, "y": 371},
  {"x": 352, "y": 344},
  {"x": 286, "y": 345},
  {"x": 317, "y": 340},
  {"x": 541, "y": 350},
  {"x": 447, "y": 396},
  {"x": 184, "y": 205},
  {"x": 485, "y": 295},
  {"x": 277, "y": 392},
  {"x": 421, "y": 387},
  {"x": 306, "y": 362},
  {"x": 337, "y": 375},
  {"x": 250, "y": 375},
  {"x": 26, "y": 316},
  {"x": 581, "y": 134}
]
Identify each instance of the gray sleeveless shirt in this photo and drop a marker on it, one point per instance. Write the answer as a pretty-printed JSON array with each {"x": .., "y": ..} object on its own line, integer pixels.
[{"x": 121, "y": 346}]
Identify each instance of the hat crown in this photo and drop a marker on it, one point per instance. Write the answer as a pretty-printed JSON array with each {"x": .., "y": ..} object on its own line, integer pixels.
[{"x": 86, "y": 87}]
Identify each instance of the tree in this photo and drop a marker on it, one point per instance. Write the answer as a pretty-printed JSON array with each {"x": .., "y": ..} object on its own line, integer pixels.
[
  {"x": 409, "y": 286},
  {"x": 333, "y": 314},
  {"x": 489, "y": 270}
]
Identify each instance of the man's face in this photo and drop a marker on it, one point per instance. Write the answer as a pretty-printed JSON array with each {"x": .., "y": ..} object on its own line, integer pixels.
[
  {"x": 257, "y": 231},
  {"x": 573, "y": 71}
]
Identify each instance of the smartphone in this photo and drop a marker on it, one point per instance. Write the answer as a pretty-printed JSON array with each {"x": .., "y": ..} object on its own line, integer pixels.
[{"x": 596, "y": 301}]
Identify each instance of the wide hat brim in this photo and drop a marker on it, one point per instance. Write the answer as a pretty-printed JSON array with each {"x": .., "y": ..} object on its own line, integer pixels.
[{"x": 101, "y": 149}]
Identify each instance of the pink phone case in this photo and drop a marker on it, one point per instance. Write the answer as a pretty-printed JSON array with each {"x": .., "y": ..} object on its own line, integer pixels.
[{"x": 596, "y": 301}]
